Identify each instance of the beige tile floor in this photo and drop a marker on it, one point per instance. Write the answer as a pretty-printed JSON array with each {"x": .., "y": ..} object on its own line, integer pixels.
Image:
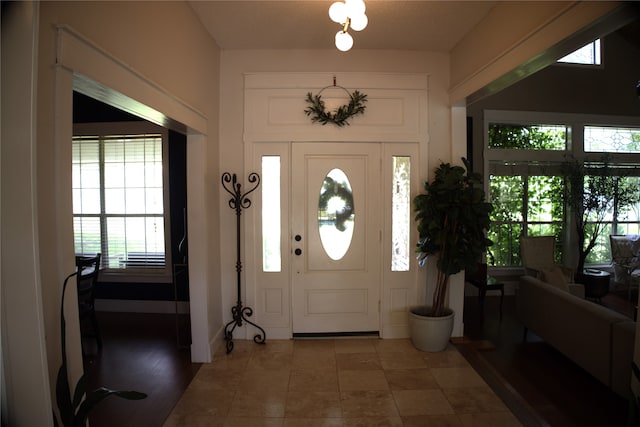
[{"x": 341, "y": 382}]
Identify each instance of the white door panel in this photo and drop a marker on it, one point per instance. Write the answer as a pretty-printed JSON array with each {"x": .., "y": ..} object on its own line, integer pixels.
[{"x": 336, "y": 293}]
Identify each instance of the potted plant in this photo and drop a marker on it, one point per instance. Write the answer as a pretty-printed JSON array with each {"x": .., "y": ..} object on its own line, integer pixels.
[
  {"x": 74, "y": 408},
  {"x": 452, "y": 217}
]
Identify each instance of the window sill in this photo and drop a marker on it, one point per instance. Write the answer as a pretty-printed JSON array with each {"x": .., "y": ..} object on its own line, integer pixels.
[{"x": 130, "y": 277}]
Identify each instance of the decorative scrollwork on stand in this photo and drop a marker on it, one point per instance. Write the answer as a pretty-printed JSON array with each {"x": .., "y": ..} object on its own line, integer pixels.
[{"x": 238, "y": 202}]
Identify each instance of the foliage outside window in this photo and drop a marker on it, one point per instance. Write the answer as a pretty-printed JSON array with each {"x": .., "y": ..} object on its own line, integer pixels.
[
  {"x": 527, "y": 185},
  {"x": 622, "y": 220},
  {"x": 507, "y": 196},
  {"x": 533, "y": 137},
  {"x": 623, "y": 217},
  {"x": 118, "y": 196},
  {"x": 627, "y": 222},
  {"x": 523, "y": 205},
  {"x": 527, "y": 197},
  {"x": 597, "y": 195}
]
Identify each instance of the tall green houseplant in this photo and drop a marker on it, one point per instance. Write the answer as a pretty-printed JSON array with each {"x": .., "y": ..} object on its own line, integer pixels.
[{"x": 452, "y": 217}]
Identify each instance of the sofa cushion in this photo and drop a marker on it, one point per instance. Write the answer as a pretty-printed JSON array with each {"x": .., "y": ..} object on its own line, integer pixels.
[{"x": 555, "y": 277}]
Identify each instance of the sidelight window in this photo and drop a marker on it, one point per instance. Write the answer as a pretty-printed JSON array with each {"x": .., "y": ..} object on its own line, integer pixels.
[
  {"x": 271, "y": 248},
  {"x": 401, "y": 220}
]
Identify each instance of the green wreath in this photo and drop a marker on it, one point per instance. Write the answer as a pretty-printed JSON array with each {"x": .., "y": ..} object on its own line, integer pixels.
[
  {"x": 331, "y": 189},
  {"x": 340, "y": 116}
]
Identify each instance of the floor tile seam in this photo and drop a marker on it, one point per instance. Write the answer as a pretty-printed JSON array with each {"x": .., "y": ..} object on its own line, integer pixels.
[
  {"x": 464, "y": 412},
  {"x": 346, "y": 416},
  {"x": 340, "y": 393}
]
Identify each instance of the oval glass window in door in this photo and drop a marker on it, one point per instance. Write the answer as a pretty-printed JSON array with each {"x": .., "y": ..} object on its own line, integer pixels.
[{"x": 336, "y": 214}]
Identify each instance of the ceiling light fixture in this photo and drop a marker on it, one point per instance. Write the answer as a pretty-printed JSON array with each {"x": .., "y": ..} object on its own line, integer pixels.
[{"x": 349, "y": 13}]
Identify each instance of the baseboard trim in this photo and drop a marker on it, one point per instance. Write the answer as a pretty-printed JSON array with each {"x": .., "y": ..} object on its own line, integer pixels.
[
  {"x": 141, "y": 306},
  {"x": 367, "y": 334}
]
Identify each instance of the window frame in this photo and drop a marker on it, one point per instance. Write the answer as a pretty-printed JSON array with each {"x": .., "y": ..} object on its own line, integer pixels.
[
  {"x": 593, "y": 66},
  {"x": 137, "y": 275},
  {"x": 575, "y": 124}
]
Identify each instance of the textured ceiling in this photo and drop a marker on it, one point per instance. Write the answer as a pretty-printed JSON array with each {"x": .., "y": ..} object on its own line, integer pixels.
[{"x": 305, "y": 24}]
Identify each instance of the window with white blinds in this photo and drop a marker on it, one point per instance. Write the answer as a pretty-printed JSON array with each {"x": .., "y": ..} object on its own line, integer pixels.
[{"x": 119, "y": 196}]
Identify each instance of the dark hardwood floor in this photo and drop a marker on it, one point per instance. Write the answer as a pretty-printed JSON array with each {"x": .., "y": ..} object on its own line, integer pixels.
[
  {"x": 541, "y": 386},
  {"x": 139, "y": 352}
]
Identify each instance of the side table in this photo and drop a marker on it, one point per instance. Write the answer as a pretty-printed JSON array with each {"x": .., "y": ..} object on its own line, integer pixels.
[
  {"x": 596, "y": 283},
  {"x": 481, "y": 280}
]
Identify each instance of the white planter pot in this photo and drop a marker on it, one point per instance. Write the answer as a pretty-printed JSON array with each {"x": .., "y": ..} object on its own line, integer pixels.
[{"x": 430, "y": 333}]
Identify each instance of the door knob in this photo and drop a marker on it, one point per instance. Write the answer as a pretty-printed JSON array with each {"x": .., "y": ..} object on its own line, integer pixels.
[{"x": 298, "y": 251}]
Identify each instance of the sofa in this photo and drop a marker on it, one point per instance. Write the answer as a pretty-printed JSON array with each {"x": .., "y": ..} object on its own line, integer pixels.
[{"x": 596, "y": 338}]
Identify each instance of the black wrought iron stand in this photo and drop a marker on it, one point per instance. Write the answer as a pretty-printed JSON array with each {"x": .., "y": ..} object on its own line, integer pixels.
[{"x": 239, "y": 201}]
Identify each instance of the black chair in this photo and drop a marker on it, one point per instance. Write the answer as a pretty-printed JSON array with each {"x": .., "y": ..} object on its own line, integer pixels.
[{"x": 88, "y": 269}]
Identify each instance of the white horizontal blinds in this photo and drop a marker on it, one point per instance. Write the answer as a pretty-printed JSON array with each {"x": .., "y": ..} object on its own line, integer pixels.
[
  {"x": 128, "y": 199},
  {"x": 86, "y": 194}
]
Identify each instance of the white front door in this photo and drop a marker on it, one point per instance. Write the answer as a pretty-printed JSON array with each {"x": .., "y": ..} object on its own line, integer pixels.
[{"x": 336, "y": 237}]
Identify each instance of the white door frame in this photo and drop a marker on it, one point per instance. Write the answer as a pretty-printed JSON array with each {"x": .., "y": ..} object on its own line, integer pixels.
[
  {"x": 396, "y": 116},
  {"x": 342, "y": 296},
  {"x": 269, "y": 293},
  {"x": 78, "y": 56}
]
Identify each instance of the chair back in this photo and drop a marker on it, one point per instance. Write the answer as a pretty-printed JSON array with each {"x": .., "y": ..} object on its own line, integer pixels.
[
  {"x": 88, "y": 269},
  {"x": 478, "y": 275},
  {"x": 624, "y": 247},
  {"x": 537, "y": 253},
  {"x": 625, "y": 255}
]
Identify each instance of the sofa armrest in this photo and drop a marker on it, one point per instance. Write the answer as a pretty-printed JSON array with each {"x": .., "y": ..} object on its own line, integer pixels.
[
  {"x": 622, "y": 345},
  {"x": 539, "y": 274},
  {"x": 533, "y": 272},
  {"x": 578, "y": 328},
  {"x": 568, "y": 273},
  {"x": 577, "y": 289}
]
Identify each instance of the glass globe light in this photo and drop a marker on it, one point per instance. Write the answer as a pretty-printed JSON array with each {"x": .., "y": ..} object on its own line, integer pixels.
[
  {"x": 359, "y": 23},
  {"x": 338, "y": 12},
  {"x": 355, "y": 8},
  {"x": 344, "y": 41}
]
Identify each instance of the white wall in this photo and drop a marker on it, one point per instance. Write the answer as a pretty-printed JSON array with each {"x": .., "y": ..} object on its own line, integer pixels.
[
  {"x": 174, "y": 75},
  {"x": 25, "y": 379},
  {"x": 517, "y": 39}
]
